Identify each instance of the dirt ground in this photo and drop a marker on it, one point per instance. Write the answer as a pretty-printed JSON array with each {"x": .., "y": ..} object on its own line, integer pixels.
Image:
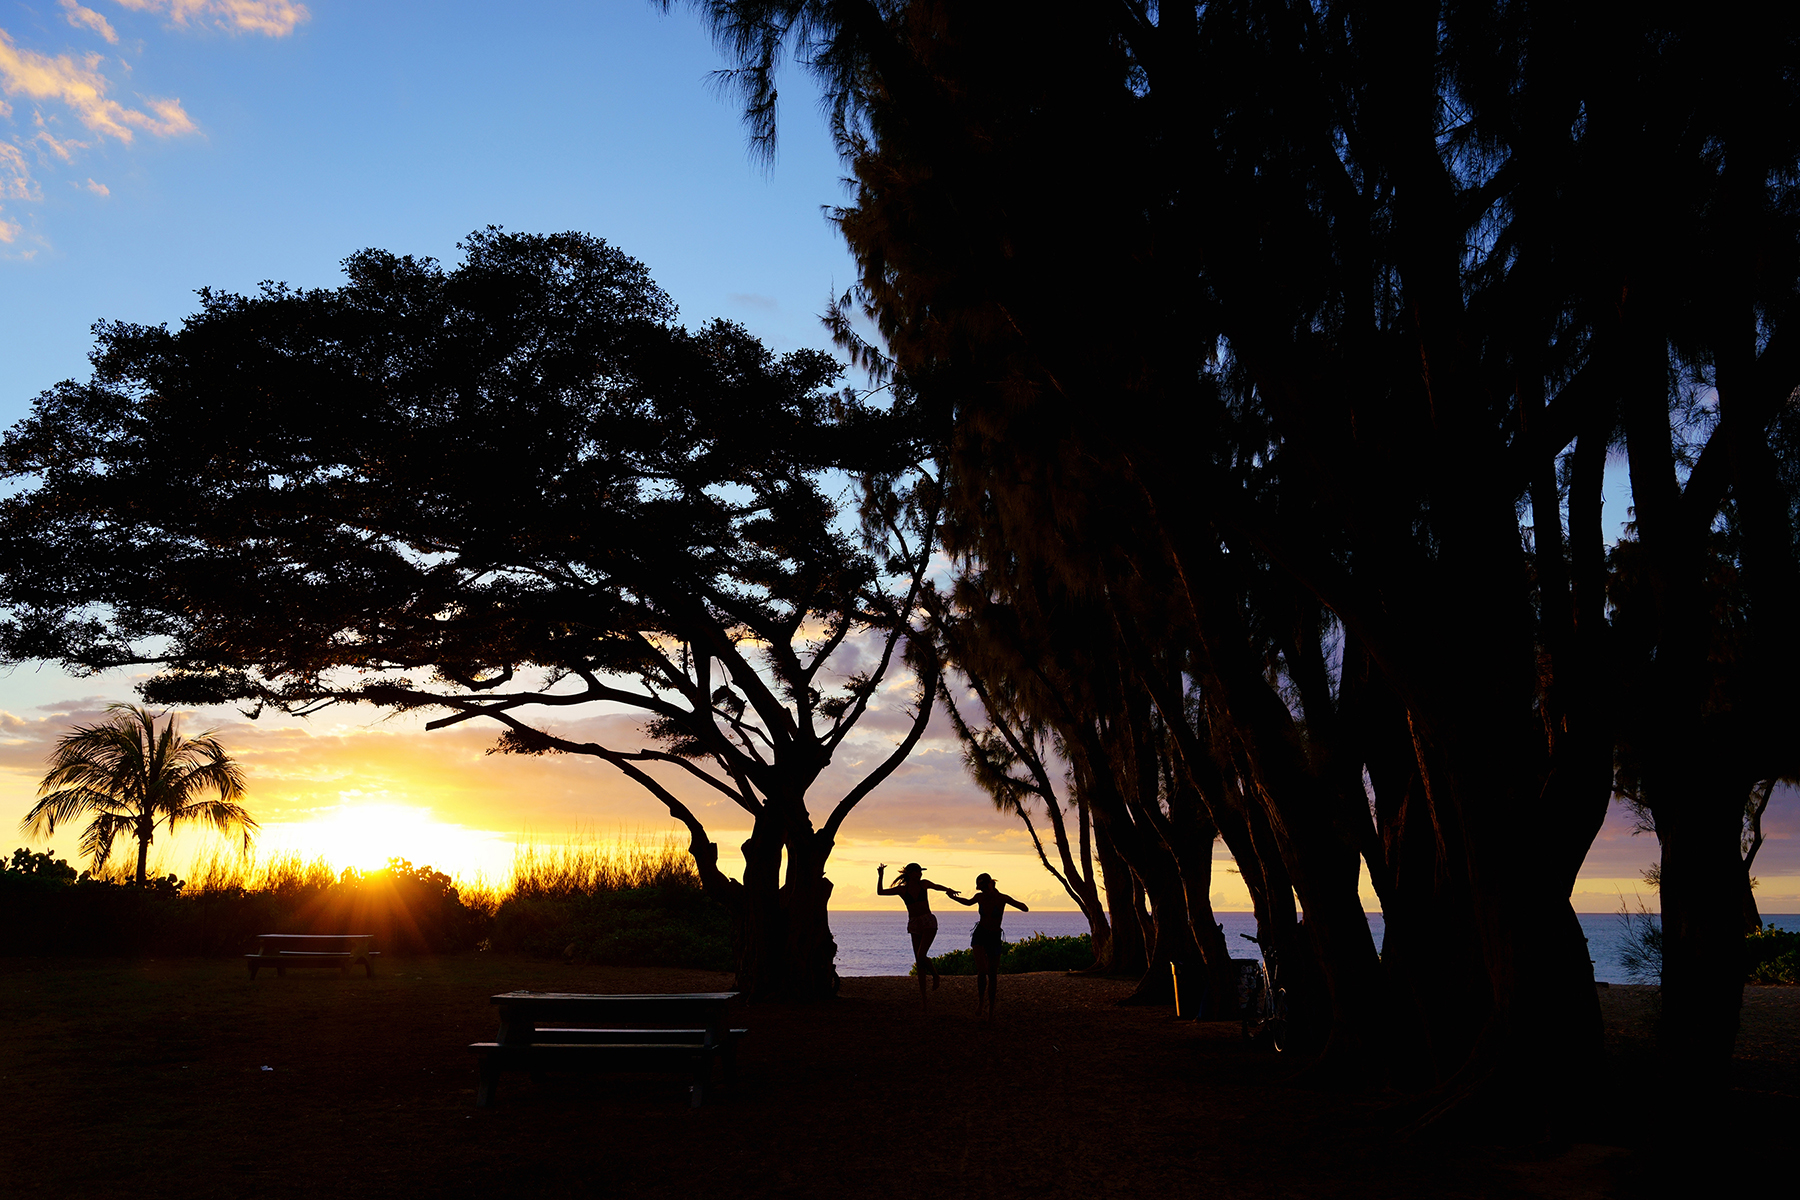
[{"x": 185, "y": 1078}]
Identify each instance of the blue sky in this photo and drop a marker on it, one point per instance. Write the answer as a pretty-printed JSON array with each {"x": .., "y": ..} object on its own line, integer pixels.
[
  {"x": 150, "y": 147},
  {"x": 221, "y": 150}
]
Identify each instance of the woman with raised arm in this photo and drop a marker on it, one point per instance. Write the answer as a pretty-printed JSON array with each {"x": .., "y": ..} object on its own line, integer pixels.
[
  {"x": 921, "y": 923},
  {"x": 984, "y": 941}
]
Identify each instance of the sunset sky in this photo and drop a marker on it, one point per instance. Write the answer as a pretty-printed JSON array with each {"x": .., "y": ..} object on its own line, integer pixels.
[{"x": 150, "y": 147}]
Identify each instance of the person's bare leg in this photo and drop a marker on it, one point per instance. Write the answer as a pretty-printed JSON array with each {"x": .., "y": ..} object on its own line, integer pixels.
[
  {"x": 993, "y": 988},
  {"x": 981, "y": 966},
  {"x": 922, "y": 965}
]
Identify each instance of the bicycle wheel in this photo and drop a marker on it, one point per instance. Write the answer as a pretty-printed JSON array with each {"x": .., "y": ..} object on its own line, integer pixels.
[{"x": 1277, "y": 1023}]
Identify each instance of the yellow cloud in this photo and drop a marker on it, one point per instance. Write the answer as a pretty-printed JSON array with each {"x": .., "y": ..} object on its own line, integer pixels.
[
  {"x": 9, "y": 230},
  {"x": 273, "y": 18},
  {"x": 99, "y": 189},
  {"x": 87, "y": 18},
  {"x": 82, "y": 88}
]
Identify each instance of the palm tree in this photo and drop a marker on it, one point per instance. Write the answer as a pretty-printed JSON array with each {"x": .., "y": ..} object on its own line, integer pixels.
[{"x": 129, "y": 775}]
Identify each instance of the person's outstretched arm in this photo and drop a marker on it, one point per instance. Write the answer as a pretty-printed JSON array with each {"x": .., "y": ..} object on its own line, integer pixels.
[
  {"x": 957, "y": 896},
  {"x": 952, "y": 892},
  {"x": 1015, "y": 903},
  {"x": 880, "y": 889}
]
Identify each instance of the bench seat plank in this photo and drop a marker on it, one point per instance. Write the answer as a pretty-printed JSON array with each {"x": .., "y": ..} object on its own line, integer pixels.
[
  {"x": 340, "y": 950},
  {"x": 683, "y": 1032}
]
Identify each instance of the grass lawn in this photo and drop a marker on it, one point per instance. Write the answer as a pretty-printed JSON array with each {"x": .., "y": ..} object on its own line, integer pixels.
[{"x": 148, "y": 1079}]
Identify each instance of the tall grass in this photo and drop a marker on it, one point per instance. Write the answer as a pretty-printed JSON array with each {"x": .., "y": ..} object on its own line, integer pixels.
[
  {"x": 585, "y": 866},
  {"x": 235, "y": 872},
  {"x": 623, "y": 900},
  {"x": 623, "y": 903}
]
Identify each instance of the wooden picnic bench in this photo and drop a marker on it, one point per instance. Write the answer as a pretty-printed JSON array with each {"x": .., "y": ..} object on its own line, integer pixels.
[
  {"x": 340, "y": 950},
  {"x": 684, "y": 1032}
]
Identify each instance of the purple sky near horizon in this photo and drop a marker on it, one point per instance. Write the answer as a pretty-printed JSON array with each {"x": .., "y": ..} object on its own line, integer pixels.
[{"x": 152, "y": 147}]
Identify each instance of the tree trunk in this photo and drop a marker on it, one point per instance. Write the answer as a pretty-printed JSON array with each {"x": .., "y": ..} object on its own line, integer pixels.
[
  {"x": 1194, "y": 864},
  {"x": 1542, "y": 1034},
  {"x": 144, "y": 833},
  {"x": 805, "y": 903},
  {"x": 1127, "y": 933},
  {"x": 785, "y": 947},
  {"x": 1703, "y": 886}
]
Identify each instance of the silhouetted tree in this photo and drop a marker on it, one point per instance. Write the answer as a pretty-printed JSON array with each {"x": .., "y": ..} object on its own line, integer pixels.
[
  {"x": 127, "y": 776},
  {"x": 1012, "y": 756},
  {"x": 1360, "y": 296},
  {"x": 502, "y": 492}
]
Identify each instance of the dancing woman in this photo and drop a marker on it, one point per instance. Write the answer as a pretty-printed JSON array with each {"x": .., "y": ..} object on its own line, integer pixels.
[
  {"x": 921, "y": 923},
  {"x": 984, "y": 940}
]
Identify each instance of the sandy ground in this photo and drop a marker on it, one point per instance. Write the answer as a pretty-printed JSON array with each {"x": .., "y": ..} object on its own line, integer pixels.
[{"x": 148, "y": 1079}]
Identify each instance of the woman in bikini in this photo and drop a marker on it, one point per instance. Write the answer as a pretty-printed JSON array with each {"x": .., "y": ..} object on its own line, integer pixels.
[
  {"x": 985, "y": 940},
  {"x": 921, "y": 923}
]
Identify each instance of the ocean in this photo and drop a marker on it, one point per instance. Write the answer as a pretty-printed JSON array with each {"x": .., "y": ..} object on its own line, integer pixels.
[{"x": 875, "y": 942}]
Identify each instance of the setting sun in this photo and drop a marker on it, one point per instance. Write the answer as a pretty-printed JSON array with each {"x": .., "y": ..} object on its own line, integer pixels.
[{"x": 366, "y": 830}]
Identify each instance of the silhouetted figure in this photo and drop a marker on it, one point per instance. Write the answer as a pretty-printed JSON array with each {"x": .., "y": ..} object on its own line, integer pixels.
[
  {"x": 984, "y": 941},
  {"x": 921, "y": 923}
]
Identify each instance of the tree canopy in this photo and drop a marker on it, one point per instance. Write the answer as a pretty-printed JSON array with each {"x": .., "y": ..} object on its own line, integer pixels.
[
  {"x": 509, "y": 488},
  {"x": 1291, "y": 342}
]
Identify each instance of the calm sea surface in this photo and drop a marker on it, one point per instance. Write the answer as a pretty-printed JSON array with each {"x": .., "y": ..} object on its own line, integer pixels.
[{"x": 875, "y": 943}]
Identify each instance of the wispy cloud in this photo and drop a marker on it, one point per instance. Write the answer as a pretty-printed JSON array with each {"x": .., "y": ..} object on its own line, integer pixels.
[
  {"x": 87, "y": 18},
  {"x": 63, "y": 148},
  {"x": 99, "y": 189},
  {"x": 272, "y": 18},
  {"x": 82, "y": 88},
  {"x": 16, "y": 182}
]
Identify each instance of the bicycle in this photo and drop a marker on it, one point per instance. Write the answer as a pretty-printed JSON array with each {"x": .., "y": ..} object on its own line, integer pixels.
[{"x": 1265, "y": 1003}]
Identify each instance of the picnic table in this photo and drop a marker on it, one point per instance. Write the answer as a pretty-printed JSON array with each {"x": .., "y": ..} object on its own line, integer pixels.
[
  {"x": 684, "y": 1032},
  {"x": 340, "y": 950}
]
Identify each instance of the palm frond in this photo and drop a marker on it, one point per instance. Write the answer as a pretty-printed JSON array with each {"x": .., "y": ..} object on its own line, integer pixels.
[
  {"x": 67, "y": 805},
  {"x": 130, "y": 772}
]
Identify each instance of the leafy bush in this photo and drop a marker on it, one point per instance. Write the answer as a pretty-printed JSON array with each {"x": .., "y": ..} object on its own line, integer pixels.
[
  {"x": 1039, "y": 952},
  {"x": 43, "y": 870},
  {"x": 1772, "y": 956},
  {"x": 51, "y": 910},
  {"x": 667, "y": 926}
]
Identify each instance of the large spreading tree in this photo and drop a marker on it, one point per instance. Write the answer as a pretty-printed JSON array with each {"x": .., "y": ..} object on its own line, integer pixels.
[{"x": 506, "y": 492}]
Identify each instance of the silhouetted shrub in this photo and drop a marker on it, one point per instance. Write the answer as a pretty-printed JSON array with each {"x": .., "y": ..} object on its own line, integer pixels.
[
  {"x": 51, "y": 910},
  {"x": 1039, "y": 952},
  {"x": 618, "y": 905},
  {"x": 1772, "y": 956},
  {"x": 625, "y": 906},
  {"x": 668, "y": 926}
]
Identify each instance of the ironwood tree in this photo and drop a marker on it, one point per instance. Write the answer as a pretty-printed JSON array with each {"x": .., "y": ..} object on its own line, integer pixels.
[
  {"x": 507, "y": 492},
  {"x": 1359, "y": 298}
]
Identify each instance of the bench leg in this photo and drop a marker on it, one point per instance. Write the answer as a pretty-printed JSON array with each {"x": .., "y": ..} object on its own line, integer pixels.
[
  {"x": 253, "y": 970},
  {"x": 489, "y": 1082},
  {"x": 368, "y": 969},
  {"x": 702, "y": 1080}
]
